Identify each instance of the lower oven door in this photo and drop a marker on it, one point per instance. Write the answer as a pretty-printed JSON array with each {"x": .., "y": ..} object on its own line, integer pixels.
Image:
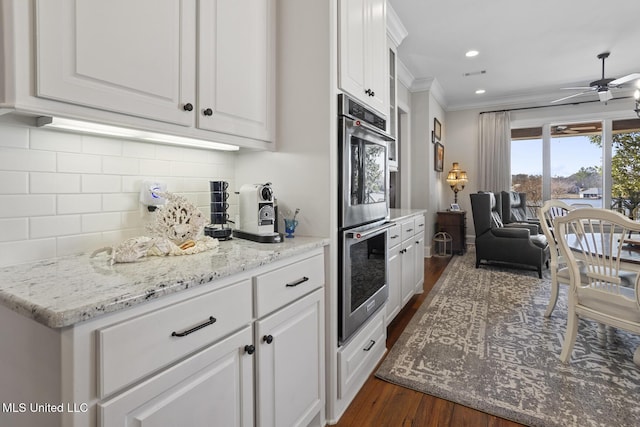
[{"x": 364, "y": 277}]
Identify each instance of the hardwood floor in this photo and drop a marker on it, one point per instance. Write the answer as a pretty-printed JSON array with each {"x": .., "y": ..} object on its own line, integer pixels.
[{"x": 380, "y": 403}]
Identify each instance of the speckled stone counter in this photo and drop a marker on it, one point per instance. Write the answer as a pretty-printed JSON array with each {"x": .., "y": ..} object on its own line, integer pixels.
[
  {"x": 400, "y": 214},
  {"x": 63, "y": 291}
]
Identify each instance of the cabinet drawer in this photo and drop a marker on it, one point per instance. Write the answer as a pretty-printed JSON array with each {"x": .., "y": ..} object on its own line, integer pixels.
[
  {"x": 284, "y": 285},
  {"x": 394, "y": 236},
  {"x": 136, "y": 347},
  {"x": 418, "y": 224},
  {"x": 357, "y": 359},
  {"x": 408, "y": 229}
]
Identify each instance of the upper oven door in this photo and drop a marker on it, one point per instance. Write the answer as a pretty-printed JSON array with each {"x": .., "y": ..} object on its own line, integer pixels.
[{"x": 364, "y": 181}]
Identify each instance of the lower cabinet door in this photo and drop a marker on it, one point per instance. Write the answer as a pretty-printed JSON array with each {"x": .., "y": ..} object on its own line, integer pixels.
[
  {"x": 214, "y": 387},
  {"x": 290, "y": 364},
  {"x": 395, "y": 283},
  {"x": 408, "y": 270}
]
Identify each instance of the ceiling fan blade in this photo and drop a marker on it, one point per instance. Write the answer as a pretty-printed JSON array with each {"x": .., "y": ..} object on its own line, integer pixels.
[
  {"x": 625, "y": 79},
  {"x": 571, "y": 96},
  {"x": 579, "y": 88}
]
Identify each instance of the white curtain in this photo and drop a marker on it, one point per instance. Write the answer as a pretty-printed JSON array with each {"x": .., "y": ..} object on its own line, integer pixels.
[{"x": 494, "y": 160}]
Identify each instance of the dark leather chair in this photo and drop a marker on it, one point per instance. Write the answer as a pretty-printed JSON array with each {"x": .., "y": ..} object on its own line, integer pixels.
[
  {"x": 514, "y": 209},
  {"x": 517, "y": 244}
]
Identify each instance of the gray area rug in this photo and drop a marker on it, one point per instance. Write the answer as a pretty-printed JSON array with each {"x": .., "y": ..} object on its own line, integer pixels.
[{"x": 480, "y": 339}]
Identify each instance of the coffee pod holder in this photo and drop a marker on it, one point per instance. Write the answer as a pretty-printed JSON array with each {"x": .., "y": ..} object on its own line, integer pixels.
[{"x": 219, "y": 229}]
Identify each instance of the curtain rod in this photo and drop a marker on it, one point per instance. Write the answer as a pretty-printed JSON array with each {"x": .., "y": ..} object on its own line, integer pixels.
[{"x": 552, "y": 105}]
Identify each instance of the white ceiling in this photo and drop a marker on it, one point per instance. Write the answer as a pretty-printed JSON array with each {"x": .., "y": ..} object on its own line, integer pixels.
[{"x": 529, "y": 48}]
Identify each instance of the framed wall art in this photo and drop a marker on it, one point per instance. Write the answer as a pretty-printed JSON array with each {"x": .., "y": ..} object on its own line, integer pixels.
[
  {"x": 438, "y": 157},
  {"x": 437, "y": 129}
]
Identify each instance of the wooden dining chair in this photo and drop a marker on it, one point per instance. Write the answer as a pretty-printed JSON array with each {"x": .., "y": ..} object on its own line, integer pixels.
[
  {"x": 559, "y": 270},
  {"x": 606, "y": 290}
]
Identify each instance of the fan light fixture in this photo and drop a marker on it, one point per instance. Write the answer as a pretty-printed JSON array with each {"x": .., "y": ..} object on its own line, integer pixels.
[
  {"x": 636, "y": 95},
  {"x": 457, "y": 179},
  {"x": 120, "y": 132}
]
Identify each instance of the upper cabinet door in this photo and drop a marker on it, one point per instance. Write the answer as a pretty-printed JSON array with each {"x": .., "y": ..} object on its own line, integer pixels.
[
  {"x": 135, "y": 57},
  {"x": 236, "y": 67},
  {"x": 363, "y": 52}
]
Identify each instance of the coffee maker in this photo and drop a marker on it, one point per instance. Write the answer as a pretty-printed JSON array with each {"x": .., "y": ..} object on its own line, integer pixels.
[{"x": 257, "y": 214}]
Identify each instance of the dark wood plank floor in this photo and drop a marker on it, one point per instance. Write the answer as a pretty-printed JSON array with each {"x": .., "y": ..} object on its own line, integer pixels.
[{"x": 380, "y": 403}]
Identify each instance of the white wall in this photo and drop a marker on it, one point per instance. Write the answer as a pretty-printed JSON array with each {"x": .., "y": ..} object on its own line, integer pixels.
[{"x": 64, "y": 193}]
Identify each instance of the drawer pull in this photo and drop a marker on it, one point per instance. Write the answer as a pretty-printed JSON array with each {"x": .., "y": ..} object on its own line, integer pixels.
[
  {"x": 409, "y": 230},
  {"x": 370, "y": 346},
  {"x": 249, "y": 349},
  {"x": 268, "y": 339},
  {"x": 395, "y": 236},
  {"x": 211, "y": 321},
  {"x": 297, "y": 282}
]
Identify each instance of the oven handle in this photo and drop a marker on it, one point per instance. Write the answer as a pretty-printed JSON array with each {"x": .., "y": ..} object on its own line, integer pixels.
[{"x": 357, "y": 235}]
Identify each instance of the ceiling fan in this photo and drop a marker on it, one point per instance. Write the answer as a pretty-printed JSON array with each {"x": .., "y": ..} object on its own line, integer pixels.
[{"x": 601, "y": 87}]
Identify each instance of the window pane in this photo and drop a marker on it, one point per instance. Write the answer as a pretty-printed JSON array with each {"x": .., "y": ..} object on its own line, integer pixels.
[
  {"x": 576, "y": 164},
  {"x": 526, "y": 167},
  {"x": 625, "y": 166}
]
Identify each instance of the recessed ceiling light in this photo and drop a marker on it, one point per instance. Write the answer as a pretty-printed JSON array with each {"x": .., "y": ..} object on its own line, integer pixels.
[
  {"x": 471, "y": 53},
  {"x": 480, "y": 91}
]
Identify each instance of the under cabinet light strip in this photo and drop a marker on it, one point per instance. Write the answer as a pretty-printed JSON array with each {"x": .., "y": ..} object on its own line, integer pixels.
[{"x": 120, "y": 132}]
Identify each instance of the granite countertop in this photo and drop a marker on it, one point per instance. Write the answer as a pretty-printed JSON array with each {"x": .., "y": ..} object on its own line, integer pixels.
[
  {"x": 400, "y": 214},
  {"x": 67, "y": 290}
]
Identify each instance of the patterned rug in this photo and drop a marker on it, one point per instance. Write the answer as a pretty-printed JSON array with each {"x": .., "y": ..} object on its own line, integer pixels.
[{"x": 480, "y": 339}]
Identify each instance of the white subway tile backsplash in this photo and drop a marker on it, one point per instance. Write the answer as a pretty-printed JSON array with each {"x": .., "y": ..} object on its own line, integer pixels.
[
  {"x": 79, "y": 203},
  {"x": 79, "y": 163},
  {"x": 140, "y": 150},
  {"x": 14, "y": 229},
  {"x": 155, "y": 167},
  {"x": 80, "y": 243},
  {"x": 92, "y": 223},
  {"x": 14, "y": 182},
  {"x": 186, "y": 169},
  {"x": 120, "y": 202},
  {"x": 64, "y": 193},
  {"x": 54, "y": 140},
  {"x": 52, "y": 226},
  {"x": 100, "y": 145},
  {"x": 23, "y": 251},
  {"x": 16, "y": 137},
  {"x": 53, "y": 183},
  {"x": 101, "y": 183},
  {"x": 18, "y": 159},
  {"x": 16, "y": 206},
  {"x": 120, "y": 165}
]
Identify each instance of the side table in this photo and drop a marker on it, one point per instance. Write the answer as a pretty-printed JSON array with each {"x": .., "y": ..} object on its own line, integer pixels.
[{"x": 455, "y": 224}]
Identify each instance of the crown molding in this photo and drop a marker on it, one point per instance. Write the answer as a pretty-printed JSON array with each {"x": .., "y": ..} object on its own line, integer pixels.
[{"x": 395, "y": 30}]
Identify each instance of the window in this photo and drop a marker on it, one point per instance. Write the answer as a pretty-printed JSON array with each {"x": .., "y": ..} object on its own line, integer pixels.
[
  {"x": 566, "y": 162},
  {"x": 526, "y": 163},
  {"x": 576, "y": 164}
]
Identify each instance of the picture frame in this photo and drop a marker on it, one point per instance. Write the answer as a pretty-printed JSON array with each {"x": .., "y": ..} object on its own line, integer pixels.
[
  {"x": 433, "y": 137},
  {"x": 438, "y": 157},
  {"x": 455, "y": 207},
  {"x": 437, "y": 129}
]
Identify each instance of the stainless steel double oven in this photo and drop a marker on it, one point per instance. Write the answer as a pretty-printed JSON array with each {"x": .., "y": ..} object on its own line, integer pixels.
[{"x": 364, "y": 210}]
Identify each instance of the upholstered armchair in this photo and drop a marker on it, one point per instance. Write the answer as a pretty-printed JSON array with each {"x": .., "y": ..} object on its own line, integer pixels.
[
  {"x": 514, "y": 209},
  {"x": 517, "y": 244}
]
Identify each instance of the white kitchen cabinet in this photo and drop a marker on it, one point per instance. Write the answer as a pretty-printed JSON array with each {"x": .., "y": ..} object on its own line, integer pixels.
[
  {"x": 406, "y": 262},
  {"x": 192, "y": 67},
  {"x": 289, "y": 364},
  {"x": 236, "y": 67},
  {"x": 289, "y": 305},
  {"x": 394, "y": 303},
  {"x": 196, "y": 357},
  {"x": 363, "y": 53},
  {"x": 212, "y": 387},
  {"x": 131, "y": 57}
]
